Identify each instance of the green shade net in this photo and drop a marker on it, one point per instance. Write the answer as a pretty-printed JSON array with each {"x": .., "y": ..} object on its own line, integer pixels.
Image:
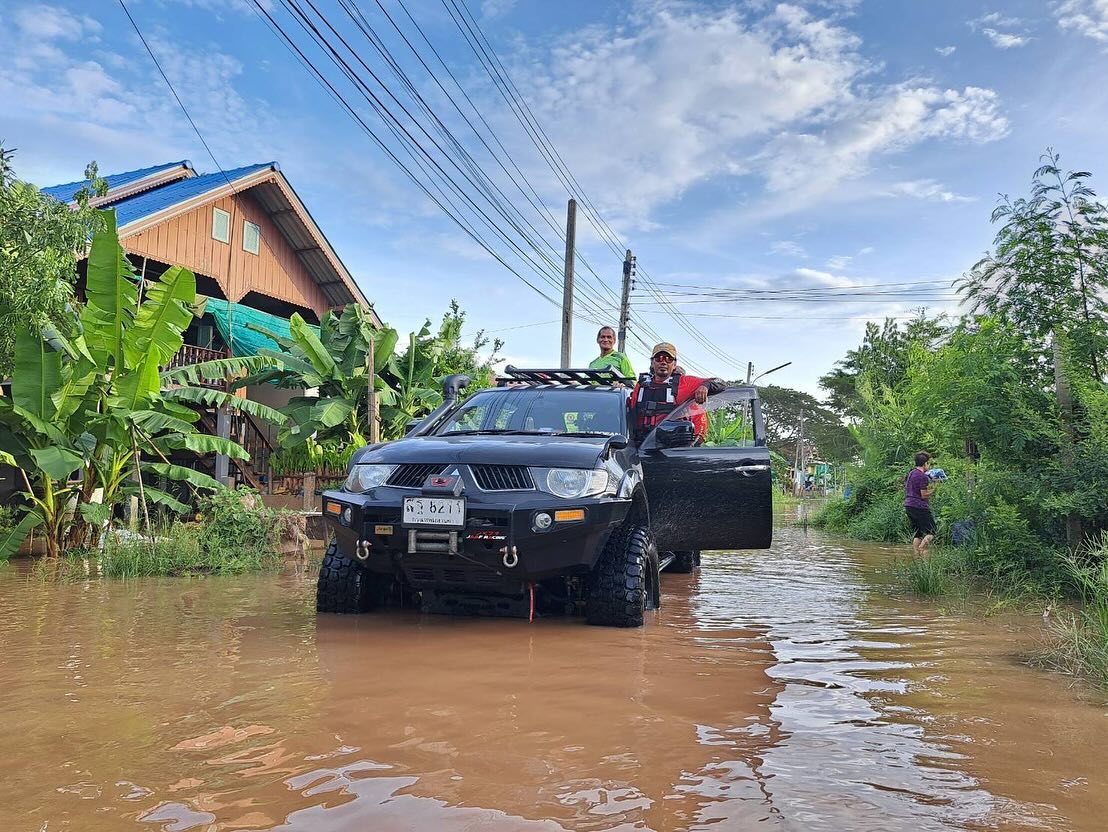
[{"x": 235, "y": 316}]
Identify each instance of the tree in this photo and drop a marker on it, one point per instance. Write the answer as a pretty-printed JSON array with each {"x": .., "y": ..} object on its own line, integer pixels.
[
  {"x": 41, "y": 240},
  {"x": 781, "y": 409},
  {"x": 90, "y": 412},
  {"x": 335, "y": 365},
  {"x": 1049, "y": 272},
  {"x": 882, "y": 357},
  {"x": 408, "y": 384}
]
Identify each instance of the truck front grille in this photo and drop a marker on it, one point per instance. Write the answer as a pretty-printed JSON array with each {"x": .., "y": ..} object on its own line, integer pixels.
[
  {"x": 502, "y": 477},
  {"x": 412, "y": 475}
]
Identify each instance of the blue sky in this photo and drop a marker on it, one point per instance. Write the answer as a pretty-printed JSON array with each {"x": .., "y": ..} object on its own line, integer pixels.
[{"x": 751, "y": 146}]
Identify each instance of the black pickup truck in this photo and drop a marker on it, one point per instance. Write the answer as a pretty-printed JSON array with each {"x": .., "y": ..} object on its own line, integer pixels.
[{"x": 531, "y": 496}]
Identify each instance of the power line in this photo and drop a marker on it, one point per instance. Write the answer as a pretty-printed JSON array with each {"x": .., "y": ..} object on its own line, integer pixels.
[{"x": 419, "y": 154}]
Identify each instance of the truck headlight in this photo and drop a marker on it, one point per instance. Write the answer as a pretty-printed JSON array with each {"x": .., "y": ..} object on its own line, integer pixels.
[
  {"x": 572, "y": 483},
  {"x": 364, "y": 477}
]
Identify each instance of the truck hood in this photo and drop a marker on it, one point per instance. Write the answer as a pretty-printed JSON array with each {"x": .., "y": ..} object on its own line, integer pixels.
[{"x": 545, "y": 451}]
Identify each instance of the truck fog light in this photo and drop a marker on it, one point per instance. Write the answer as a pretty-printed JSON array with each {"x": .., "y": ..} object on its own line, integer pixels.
[
  {"x": 347, "y": 515},
  {"x": 542, "y": 521}
]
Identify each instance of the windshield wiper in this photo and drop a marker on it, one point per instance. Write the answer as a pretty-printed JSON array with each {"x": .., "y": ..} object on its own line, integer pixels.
[
  {"x": 495, "y": 432},
  {"x": 587, "y": 433}
]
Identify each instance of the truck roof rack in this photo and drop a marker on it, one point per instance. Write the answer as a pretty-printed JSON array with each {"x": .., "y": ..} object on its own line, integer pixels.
[{"x": 561, "y": 378}]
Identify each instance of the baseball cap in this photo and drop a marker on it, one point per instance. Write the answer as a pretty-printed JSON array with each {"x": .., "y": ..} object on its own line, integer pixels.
[{"x": 664, "y": 346}]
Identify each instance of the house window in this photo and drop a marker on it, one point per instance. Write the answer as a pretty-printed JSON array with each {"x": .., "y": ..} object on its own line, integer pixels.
[
  {"x": 251, "y": 237},
  {"x": 221, "y": 225}
]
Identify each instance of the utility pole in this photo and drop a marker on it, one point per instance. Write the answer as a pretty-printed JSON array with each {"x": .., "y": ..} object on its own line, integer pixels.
[
  {"x": 371, "y": 392},
  {"x": 800, "y": 457},
  {"x": 749, "y": 370},
  {"x": 625, "y": 301},
  {"x": 567, "y": 290}
]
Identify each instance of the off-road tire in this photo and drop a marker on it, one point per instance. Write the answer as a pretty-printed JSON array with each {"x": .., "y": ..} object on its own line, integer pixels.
[
  {"x": 623, "y": 584},
  {"x": 344, "y": 587},
  {"x": 684, "y": 562}
]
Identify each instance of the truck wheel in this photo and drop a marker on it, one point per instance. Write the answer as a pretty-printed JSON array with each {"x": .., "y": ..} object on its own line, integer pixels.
[
  {"x": 344, "y": 587},
  {"x": 624, "y": 582},
  {"x": 684, "y": 562}
]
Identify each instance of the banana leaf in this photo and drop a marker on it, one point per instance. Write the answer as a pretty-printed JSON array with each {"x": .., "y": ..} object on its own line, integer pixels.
[
  {"x": 111, "y": 295},
  {"x": 312, "y": 347},
  {"x": 10, "y": 542},
  {"x": 57, "y": 463},
  {"x": 201, "y": 443},
  {"x": 180, "y": 473},
  {"x": 156, "y": 495},
  {"x": 155, "y": 335},
  {"x": 38, "y": 373},
  {"x": 217, "y": 398},
  {"x": 152, "y": 422},
  {"x": 217, "y": 369}
]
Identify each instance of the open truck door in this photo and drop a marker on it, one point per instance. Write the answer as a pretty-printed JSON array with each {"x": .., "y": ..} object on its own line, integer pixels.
[{"x": 706, "y": 468}]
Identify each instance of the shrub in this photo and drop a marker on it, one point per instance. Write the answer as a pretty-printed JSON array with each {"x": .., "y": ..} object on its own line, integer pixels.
[
  {"x": 834, "y": 516},
  {"x": 236, "y": 534},
  {"x": 884, "y": 519},
  {"x": 235, "y": 523},
  {"x": 1007, "y": 548}
]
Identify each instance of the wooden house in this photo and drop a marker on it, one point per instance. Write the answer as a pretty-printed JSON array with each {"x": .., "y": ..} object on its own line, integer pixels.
[{"x": 258, "y": 256}]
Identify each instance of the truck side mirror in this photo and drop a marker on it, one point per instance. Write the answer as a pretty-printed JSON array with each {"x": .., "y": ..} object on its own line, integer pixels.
[
  {"x": 412, "y": 425},
  {"x": 676, "y": 434}
]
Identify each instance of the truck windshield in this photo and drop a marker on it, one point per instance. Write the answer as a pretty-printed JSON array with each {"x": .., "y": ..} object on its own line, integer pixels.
[{"x": 563, "y": 412}]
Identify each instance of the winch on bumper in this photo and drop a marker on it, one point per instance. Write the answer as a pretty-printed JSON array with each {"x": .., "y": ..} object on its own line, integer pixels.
[{"x": 502, "y": 547}]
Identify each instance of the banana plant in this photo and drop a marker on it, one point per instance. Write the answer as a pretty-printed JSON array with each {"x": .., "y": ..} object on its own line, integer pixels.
[
  {"x": 91, "y": 413},
  {"x": 334, "y": 364}
]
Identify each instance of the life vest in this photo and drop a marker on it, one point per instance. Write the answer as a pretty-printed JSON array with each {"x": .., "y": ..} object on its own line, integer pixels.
[{"x": 653, "y": 402}]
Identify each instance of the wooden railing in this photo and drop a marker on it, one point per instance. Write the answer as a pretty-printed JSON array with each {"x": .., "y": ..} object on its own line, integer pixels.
[{"x": 190, "y": 354}]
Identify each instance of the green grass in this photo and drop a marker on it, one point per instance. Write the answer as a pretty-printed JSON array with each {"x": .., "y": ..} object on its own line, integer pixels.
[
  {"x": 943, "y": 572},
  {"x": 1077, "y": 641},
  {"x": 182, "y": 549}
]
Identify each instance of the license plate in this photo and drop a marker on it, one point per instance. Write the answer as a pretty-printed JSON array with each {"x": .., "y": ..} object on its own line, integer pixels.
[{"x": 435, "y": 511}]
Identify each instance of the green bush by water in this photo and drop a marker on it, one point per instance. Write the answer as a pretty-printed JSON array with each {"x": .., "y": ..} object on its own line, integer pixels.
[
  {"x": 236, "y": 533},
  {"x": 1078, "y": 641}
]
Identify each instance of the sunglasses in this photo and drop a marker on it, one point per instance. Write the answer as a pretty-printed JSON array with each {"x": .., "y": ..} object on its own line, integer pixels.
[{"x": 663, "y": 357}]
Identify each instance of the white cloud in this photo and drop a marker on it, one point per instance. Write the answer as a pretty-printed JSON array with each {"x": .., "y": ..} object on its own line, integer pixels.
[
  {"x": 496, "y": 8},
  {"x": 838, "y": 262},
  {"x": 813, "y": 277},
  {"x": 1086, "y": 17},
  {"x": 929, "y": 190},
  {"x": 678, "y": 96},
  {"x": 1005, "y": 40},
  {"x": 52, "y": 23},
  {"x": 994, "y": 19},
  {"x": 788, "y": 248},
  {"x": 946, "y": 51}
]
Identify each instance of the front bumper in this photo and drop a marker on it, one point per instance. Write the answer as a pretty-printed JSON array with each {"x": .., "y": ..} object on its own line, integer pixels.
[{"x": 494, "y": 529}]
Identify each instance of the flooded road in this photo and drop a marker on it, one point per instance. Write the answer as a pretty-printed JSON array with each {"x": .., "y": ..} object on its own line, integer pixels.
[{"x": 774, "y": 690}]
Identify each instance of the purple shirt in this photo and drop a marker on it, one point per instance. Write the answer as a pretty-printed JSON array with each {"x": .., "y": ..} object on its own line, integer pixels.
[{"x": 913, "y": 489}]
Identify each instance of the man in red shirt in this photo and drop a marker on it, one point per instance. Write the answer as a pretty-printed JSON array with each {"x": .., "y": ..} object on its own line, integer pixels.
[{"x": 660, "y": 392}]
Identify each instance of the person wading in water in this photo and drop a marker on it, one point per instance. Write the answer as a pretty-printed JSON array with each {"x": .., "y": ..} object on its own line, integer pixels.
[{"x": 918, "y": 488}]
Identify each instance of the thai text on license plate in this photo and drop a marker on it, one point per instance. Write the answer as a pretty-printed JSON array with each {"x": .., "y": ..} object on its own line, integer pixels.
[{"x": 435, "y": 511}]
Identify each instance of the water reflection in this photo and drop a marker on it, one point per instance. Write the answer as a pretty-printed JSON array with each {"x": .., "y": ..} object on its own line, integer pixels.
[{"x": 776, "y": 690}]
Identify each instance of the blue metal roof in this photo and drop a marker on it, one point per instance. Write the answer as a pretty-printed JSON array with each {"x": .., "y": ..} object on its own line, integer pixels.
[
  {"x": 142, "y": 205},
  {"x": 65, "y": 192}
]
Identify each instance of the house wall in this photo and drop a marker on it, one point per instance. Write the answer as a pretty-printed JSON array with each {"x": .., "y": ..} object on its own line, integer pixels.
[
  {"x": 275, "y": 271},
  {"x": 273, "y": 396}
]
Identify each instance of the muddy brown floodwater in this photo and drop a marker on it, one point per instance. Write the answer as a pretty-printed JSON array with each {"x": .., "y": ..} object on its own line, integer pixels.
[{"x": 787, "y": 689}]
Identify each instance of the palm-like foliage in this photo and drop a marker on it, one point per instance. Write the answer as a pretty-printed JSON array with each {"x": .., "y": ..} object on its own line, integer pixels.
[
  {"x": 90, "y": 413},
  {"x": 334, "y": 365}
]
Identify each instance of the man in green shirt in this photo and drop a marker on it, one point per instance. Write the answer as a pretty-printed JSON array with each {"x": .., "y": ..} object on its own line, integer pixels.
[{"x": 609, "y": 357}]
